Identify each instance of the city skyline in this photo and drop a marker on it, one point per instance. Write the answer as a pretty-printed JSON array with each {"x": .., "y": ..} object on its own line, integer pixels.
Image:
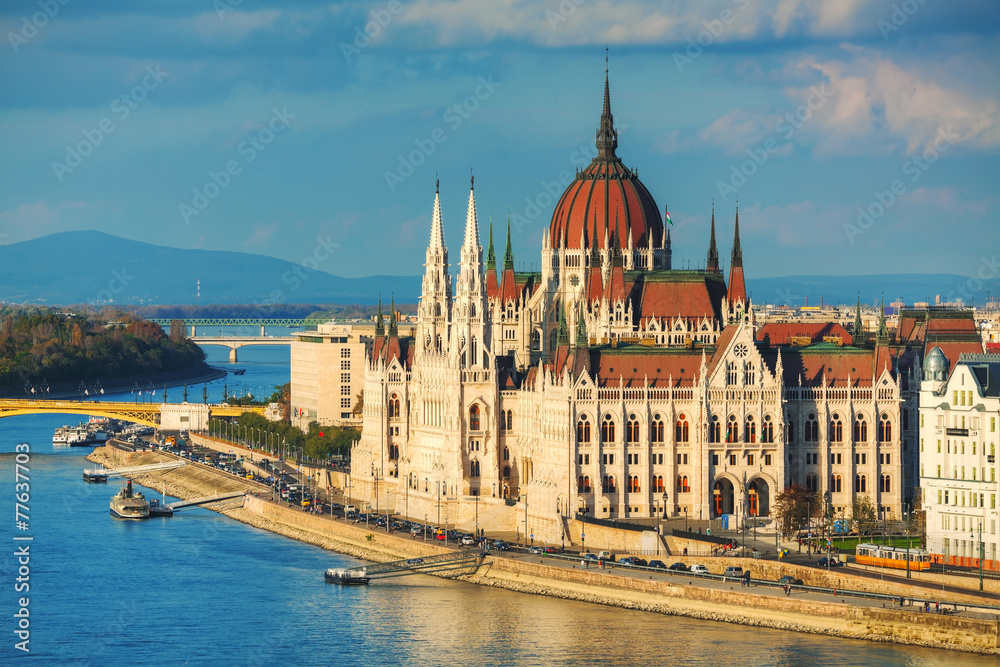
[{"x": 851, "y": 134}]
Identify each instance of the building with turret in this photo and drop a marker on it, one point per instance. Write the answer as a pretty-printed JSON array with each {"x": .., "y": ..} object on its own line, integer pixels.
[{"x": 609, "y": 384}]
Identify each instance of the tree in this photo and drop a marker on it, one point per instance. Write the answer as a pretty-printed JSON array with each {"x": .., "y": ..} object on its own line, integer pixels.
[
  {"x": 793, "y": 508},
  {"x": 864, "y": 518},
  {"x": 178, "y": 331},
  {"x": 76, "y": 338}
]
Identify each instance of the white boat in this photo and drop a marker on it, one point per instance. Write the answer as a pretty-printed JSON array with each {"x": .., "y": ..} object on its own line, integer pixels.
[{"x": 129, "y": 504}]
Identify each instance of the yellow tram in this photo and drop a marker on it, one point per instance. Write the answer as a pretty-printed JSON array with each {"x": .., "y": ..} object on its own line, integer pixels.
[{"x": 894, "y": 557}]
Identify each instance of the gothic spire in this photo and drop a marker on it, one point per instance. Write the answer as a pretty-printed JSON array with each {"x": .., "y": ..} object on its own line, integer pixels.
[
  {"x": 607, "y": 137},
  {"x": 883, "y": 329},
  {"x": 393, "y": 331},
  {"x": 437, "y": 228},
  {"x": 471, "y": 220},
  {"x": 379, "y": 323},
  {"x": 713, "y": 251},
  {"x": 737, "y": 259},
  {"x": 581, "y": 329},
  {"x": 491, "y": 258},
  {"x": 508, "y": 255},
  {"x": 857, "y": 334},
  {"x": 562, "y": 335}
]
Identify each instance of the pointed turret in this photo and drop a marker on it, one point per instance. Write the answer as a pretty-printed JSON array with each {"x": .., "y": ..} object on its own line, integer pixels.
[
  {"x": 508, "y": 255},
  {"x": 437, "y": 227},
  {"x": 668, "y": 252},
  {"x": 858, "y": 333},
  {"x": 562, "y": 333},
  {"x": 883, "y": 330},
  {"x": 508, "y": 285},
  {"x": 712, "y": 266},
  {"x": 491, "y": 267},
  {"x": 379, "y": 322},
  {"x": 393, "y": 330},
  {"x": 582, "y": 339},
  {"x": 737, "y": 284},
  {"x": 434, "y": 312},
  {"x": 607, "y": 136}
]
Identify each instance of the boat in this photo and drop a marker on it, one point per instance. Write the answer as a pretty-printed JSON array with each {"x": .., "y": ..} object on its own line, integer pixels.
[
  {"x": 60, "y": 437},
  {"x": 96, "y": 475},
  {"x": 129, "y": 504},
  {"x": 346, "y": 577},
  {"x": 156, "y": 508},
  {"x": 239, "y": 371}
]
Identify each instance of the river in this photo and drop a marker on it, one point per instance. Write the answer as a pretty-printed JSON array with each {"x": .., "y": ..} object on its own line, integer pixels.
[{"x": 202, "y": 589}]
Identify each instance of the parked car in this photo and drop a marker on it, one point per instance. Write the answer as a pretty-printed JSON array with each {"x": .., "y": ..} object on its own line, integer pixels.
[
  {"x": 591, "y": 557},
  {"x": 829, "y": 561},
  {"x": 733, "y": 572},
  {"x": 678, "y": 567},
  {"x": 536, "y": 551},
  {"x": 468, "y": 541},
  {"x": 789, "y": 580},
  {"x": 658, "y": 564},
  {"x": 501, "y": 546},
  {"x": 698, "y": 569}
]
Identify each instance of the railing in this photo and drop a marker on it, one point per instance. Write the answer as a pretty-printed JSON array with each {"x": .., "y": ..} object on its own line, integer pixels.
[
  {"x": 613, "y": 523},
  {"x": 700, "y": 537}
]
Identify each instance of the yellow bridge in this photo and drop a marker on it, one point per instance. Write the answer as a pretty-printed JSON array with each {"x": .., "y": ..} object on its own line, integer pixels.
[{"x": 178, "y": 415}]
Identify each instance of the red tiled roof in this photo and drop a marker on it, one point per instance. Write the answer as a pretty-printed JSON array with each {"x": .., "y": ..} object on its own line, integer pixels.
[
  {"x": 615, "y": 289},
  {"x": 492, "y": 287},
  {"x": 779, "y": 333},
  {"x": 609, "y": 190},
  {"x": 737, "y": 286},
  {"x": 687, "y": 299},
  {"x": 721, "y": 345},
  {"x": 837, "y": 365},
  {"x": 633, "y": 368}
]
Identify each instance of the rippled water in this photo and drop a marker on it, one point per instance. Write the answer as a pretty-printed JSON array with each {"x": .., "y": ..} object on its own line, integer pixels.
[{"x": 202, "y": 589}]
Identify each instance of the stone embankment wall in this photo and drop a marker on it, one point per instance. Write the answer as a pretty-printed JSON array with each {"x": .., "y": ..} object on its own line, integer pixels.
[{"x": 532, "y": 575}]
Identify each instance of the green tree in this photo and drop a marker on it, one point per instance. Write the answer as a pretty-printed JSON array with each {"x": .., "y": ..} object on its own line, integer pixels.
[
  {"x": 864, "y": 518},
  {"x": 793, "y": 508}
]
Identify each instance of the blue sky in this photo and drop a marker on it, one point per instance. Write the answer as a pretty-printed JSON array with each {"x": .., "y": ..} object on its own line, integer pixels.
[{"x": 263, "y": 126}]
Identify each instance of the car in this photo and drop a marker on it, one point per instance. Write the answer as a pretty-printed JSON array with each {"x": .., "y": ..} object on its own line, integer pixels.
[
  {"x": 592, "y": 557},
  {"x": 468, "y": 541},
  {"x": 628, "y": 560},
  {"x": 789, "y": 580},
  {"x": 698, "y": 569},
  {"x": 678, "y": 567},
  {"x": 658, "y": 564},
  {"x": 826, "y": 561},
  {"x": 501, "y": 546},
  {"x": 733, "y": 572},
  {"x": 441, "y": 535},
  {"x": 536, "y": 551},
  {"x": 551, "y": 550}
]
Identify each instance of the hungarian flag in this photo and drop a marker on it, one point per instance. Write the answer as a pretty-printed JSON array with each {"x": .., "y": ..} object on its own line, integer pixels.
[{"x": 666, "y": 216}]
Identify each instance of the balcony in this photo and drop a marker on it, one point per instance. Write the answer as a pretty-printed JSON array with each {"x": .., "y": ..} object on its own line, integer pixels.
[{"x": 963, "y": 432}]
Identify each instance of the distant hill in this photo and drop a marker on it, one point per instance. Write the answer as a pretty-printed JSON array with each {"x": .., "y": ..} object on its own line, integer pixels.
[{"x": 93, "y": 267}]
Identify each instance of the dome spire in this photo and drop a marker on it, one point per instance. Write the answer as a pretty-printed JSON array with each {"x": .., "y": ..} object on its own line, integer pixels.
[{"x": 607, "y": 137}]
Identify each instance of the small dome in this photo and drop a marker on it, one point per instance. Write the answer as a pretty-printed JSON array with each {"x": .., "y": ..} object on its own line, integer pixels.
[{"x": 935, "y": 365}]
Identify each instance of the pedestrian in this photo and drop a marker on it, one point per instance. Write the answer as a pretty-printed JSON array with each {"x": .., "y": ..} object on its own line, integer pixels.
[
  {"x": 685, "y": 551},
  {"x": 937, "y": 607},
  {"x": 788, "y": 590},
  {"x": 746, "y": 578}
]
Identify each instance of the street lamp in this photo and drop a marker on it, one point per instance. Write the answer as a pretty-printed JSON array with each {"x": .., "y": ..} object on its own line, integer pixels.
[
  {"x": 662, "y": 515},
  {"x": 906, "y": 516},
  {"x": 980, "y": 554},
  {"x": 526, "y": 520}
]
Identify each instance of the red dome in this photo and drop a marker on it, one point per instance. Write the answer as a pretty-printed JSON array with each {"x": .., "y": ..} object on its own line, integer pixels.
[{"x": 604, "y": 194}]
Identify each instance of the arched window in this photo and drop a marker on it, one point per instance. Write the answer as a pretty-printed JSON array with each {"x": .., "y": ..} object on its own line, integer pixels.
[
  {"x": 583, "y": 430},
  {"x": 608, "y": 429},
  {"x": 860, "y": 484},
  {"x": 715, "y": 430},
  {"x": 812, "y": 429},
  {"x": 656, "y": 430},
  {"x": 506, "y": 420},
  {"x": 393, "y": 406},
  {"x": 836, "y": 428},
  {"x": 608, "y": 484},
  {"x": 885, "y": 484},
  {"x": 633, "y": 484},
  {"x": 732, "y": 430},
  {"x": 767, "y": 430},
  {"x": 437, "y": 340},
  {"x": 583, "y": 484},
  {"x": 506, "y": 472},
  {"x": 836, "y": 483},
  {"x": 632, "y": 430},
  {"x": 682, "y": 484},
  {"x": 658, "y": 483},
  {"x": 732, "y": 374},
  {"x": 750, "y": 432},
  {"x": 474, "y": 469},
  {"x": 790, "y": 431},
  {"x": 682, "y": 429},
  {"x": 473, "y": 358},
  {"x": 751, "y": 374},
  {"x": 884, "y": 428},
  {"x": 506, "y": 453},
  {"x": 474, "y": 422},
  {"x": 812, "y": 482},
  {"x": 860, "y": 429}
]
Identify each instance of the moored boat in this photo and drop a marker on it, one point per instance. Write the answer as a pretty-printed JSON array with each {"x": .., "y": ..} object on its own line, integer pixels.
[
  {"x": 156, "y": 508},
  {"x": 95, "y": 475},
  {"x": 129, "y": 504},
  {"x": 355, "y": 577}
]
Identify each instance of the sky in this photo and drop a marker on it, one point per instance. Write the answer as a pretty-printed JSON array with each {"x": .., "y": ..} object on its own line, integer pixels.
[{"x": 860, "y": 137}]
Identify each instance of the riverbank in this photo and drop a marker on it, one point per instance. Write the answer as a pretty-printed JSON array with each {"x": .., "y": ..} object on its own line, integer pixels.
[
  {"x": 634, "y": 590},
  {"x": 198, "y": 374}
]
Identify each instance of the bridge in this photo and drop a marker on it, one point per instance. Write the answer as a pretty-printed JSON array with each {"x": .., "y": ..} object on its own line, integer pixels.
[
  {"x": 133, "y": 470},
  {"x": 263, "y": 323},
  {"x": 206, "y": 500},
  {"x": 235, "y": 342},
  {"x": 457, "y": 560},
  {"x": 173, "y": 416}
]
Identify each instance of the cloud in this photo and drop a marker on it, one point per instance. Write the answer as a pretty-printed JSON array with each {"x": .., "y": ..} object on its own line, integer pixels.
[{"x": 28, "y": 221}]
